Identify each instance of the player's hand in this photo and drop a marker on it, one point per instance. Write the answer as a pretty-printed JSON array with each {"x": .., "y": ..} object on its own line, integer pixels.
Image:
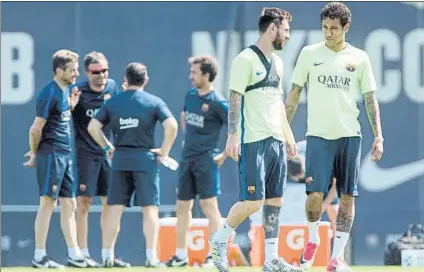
[
  {"x": 75, "y": 96},
  {"x": 110, "y": 152},
  {"x": 220, "y": 158},
  {"x": 159, "y": 152},
  {"x": 291, "y": 150},
  {"x": 31, "y": 161},
  {"x": 377, "y": 149},
  {"x": 232, "y": 148},
  {"x": 161, "y": 155}
]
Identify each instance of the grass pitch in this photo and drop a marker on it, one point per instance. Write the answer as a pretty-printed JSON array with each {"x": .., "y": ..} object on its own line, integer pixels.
[{"x": 237, "y": 269}]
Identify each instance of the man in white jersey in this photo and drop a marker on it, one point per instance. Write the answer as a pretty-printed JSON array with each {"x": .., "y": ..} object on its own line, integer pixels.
[
  {"x": 259, "y": 132},
  {"x": 335, "y": 72}
]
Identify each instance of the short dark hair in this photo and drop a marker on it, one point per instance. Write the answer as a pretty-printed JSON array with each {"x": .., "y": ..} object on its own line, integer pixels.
[
  {"x": 272, "y": 15},
  {"x": 136, "y": 74},
  {"x": 208, "y": 65},
  {"x": 93, "y": 57},
  {"x": 336, "y": 10},
  {"x": 62, "y": 57},
  {"x": 295, "y": 167}
]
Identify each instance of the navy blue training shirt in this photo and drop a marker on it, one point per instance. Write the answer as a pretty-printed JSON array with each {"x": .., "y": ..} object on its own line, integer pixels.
[
  {"x": 88, "y": 105},
  {"x": 205, "y": 116},
  {"x": 132, "y": 116},
  {"x": 53, "y": 106}
]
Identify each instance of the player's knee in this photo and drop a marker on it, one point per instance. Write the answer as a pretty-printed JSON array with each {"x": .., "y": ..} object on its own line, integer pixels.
[
  {"x": 47, "y": 204},
  {"x": 253, "y": 206},
  {"x": 209, "y": 206},
  {"x": 315, "y": 199},
  {"x": 68, "y": 205},
  {"x": 103, "y": 199},
  {"x": 278, "y": 201},
  {"x": 113, "y": 216},
  {"x": 183, "y": 207},
  {"x": 346, "y": 202},
  {"x": 150, "y": 213},
  {"x": 84, "y": 204},
  {"x": 313, "y": 206}
]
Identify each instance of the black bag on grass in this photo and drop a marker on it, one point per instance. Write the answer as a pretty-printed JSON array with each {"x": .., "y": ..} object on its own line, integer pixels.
[{"x": 413, "y": 238}]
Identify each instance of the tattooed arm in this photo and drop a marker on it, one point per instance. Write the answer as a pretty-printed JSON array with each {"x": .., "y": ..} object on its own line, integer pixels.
[
  {"x": 234, "y": 111},
  {"x": 299, "y": 78},
  {"x": 292, "y": 101},
  {"x": 373, "y": 112},
  {"x": 240, "y": 75}
]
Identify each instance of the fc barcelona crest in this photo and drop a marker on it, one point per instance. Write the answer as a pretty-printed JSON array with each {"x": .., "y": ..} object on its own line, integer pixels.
[
  {"x": 205, "y": 107},
  {"x": 350, "y": 67},
  {"x": 106, "y": 96}
]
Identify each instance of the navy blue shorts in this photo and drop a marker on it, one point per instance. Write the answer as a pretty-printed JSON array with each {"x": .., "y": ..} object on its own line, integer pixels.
[
  {"x": 326, "y": 159},
  {"x": 263, "y": 170},
  {"x": 198, "y": 176},
  {"x": 123, "y": 184},
  {"x": 93, "y": 176},
  {"x": 55, "y": 175}
]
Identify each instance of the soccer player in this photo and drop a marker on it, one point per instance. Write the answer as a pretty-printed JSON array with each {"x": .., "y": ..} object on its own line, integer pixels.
[
  {"x": 50, "y": 144},
  {"x": 92, "y": 163},
  {"x": 132, "y": 116},
  {"x": 205, "y": 111},
  {"x": 258, "y": 131},
  {"x": 335, "y": 72}
]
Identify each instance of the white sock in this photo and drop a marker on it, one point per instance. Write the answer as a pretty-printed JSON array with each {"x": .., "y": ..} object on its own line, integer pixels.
[
  {"x": 181, "y": 253},
  {"x": 271, "y": 249},
  {"x": 107, "y": 254},
  {"x": 151, "y": 254},
  {"x": 39, "y": 254},
  {"x": 340, "y": 241},
  {"x": 85, "y": 252},
  {"x": 224, "y": 233},
  {"x": 313, "y": 231},
  {"x": 75, "y": 253}
]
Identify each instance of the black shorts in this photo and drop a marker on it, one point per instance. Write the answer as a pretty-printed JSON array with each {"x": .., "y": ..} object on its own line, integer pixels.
[
  {"x": 123, "y": 184},
  {"x": 93, "y": 176},
  {"x": 198, "y": 176},
  {"x": 55, "y": 175}
]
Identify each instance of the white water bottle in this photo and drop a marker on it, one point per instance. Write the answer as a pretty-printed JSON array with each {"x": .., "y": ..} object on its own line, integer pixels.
[{"x": 169, "y": 163}]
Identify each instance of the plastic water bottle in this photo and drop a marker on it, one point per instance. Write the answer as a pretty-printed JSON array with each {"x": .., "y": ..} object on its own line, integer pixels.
[{"x": 170, "y": 163}]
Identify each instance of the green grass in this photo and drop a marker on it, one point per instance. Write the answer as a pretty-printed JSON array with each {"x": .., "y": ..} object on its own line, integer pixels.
[{"x": 238, "y": 269}]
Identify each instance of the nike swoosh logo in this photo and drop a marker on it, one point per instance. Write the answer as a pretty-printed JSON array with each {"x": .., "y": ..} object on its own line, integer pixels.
[
  {"x": 376, "y": 179},
  {"x": 178, "y": 263},
  {"x": 301, "y": 261},
  {"x": 318, "y": 63},
  {"x": 258, "y": 73}
]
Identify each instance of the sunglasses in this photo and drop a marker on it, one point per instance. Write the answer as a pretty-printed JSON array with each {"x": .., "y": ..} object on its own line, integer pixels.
[{"x": 98, "y": 72}]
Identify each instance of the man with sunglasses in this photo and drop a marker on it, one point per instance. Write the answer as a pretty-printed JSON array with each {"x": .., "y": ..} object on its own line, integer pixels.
[{"x": 92, "y": 164}]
